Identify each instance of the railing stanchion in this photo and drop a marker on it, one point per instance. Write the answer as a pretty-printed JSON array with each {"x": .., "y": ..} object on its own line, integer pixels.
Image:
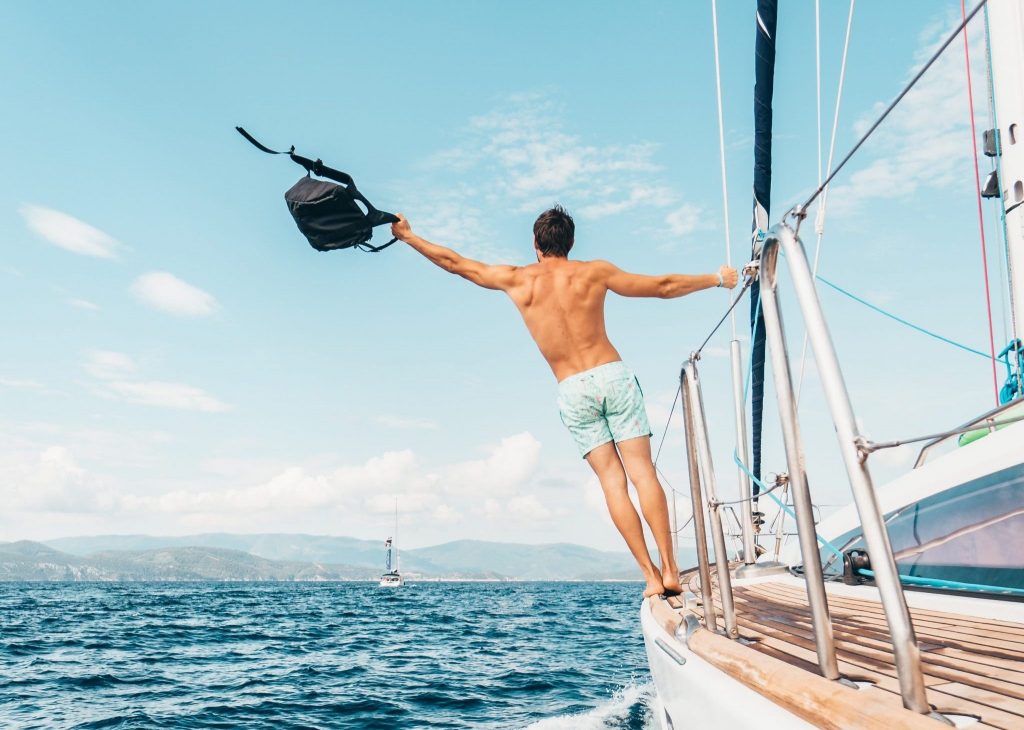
[
  {"x": 901, "y": 628},
  {"x": 700, "y": 536},
  {"x": 816, "y": 597},
  {"x": 707, "y": 469}
]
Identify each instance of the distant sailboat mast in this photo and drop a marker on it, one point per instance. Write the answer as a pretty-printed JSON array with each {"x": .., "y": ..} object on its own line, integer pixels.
[{"x": 398, "y": 551}]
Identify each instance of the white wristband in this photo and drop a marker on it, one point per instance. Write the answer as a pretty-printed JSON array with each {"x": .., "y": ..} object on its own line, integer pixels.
[{"x": 721, "y": 281}]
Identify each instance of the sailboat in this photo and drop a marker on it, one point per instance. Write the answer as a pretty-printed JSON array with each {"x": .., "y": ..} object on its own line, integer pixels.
[
  {"x": 392, "y": 578},
  {"x": 903, "y": 609}
]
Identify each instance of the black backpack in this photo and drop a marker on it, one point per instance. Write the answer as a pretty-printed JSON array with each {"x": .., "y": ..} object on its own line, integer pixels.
[{"x": 329, "y": 215}]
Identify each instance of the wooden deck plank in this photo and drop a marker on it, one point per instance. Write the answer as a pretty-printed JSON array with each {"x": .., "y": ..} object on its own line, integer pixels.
[
  {"x": 923, "y": 612},
  {"x": 877, "y": 647},
  {"x": 883, "y": 676},
  {"x": 877, "y": 626},
  {"x": 972, "y": 666}
]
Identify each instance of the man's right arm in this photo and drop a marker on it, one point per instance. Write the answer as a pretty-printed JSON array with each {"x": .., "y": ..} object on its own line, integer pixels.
[{"x": 667, "y": 286}]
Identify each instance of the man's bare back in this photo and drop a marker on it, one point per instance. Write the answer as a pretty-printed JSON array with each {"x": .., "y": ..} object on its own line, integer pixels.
[
  {"x": 562, "y": 300},
  {"x": 562, "y": 303}
]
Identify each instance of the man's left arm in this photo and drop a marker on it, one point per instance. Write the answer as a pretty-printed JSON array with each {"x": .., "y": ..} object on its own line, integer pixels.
[{"x": 500, "y": 277}]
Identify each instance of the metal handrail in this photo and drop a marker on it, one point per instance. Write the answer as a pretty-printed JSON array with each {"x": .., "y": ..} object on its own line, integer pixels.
[
  {"x": 697, "y": 501},
  {"x": 901, "y": 628},
  {"x": 693, "y": 405},
  {"x": 817, "y": 598},
  {"x": 985, "y": 419}
]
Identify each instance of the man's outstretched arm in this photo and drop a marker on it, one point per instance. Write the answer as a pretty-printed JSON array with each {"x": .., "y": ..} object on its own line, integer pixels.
[
  {"x": 499, "y": 277},
  {"x": 667, "y": 286}
]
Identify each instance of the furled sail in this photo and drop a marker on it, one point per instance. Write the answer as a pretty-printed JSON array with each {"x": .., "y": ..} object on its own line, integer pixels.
[{"x": 764, "y": 84}]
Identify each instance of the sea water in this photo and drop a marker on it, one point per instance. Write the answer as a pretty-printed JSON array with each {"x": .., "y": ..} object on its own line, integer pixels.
[{"x": 544, "y": 656}]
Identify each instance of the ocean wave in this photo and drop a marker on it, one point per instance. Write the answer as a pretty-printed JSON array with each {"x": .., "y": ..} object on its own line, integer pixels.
[{"x": 630, "y": 708}]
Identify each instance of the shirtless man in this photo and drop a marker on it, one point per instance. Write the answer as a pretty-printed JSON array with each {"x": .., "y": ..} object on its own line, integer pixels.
[{"x": 599, "y": 398}]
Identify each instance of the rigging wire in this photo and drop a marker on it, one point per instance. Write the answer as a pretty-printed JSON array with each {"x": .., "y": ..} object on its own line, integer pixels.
[
  {"x": 817, "y": 75},
  {"x": 890, "y": 315},
  {"x": 892, "y": 105},
  {"x": 721, "y": 149},
  {"x": 981, "y": 212},
  {"x": 819, "y": 222}
]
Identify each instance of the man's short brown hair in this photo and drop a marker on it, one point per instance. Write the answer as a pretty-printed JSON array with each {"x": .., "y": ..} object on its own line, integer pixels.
[{"x": 554, "y": 232}]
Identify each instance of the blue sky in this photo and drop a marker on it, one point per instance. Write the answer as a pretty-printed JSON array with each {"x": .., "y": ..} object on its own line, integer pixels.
[{"x": 177, "y": 359}]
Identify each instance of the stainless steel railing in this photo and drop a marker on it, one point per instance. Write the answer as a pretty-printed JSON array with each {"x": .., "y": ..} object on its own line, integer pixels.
[
  {"x": 901, "y": 629},
  {"x": 852, "y": 446}
]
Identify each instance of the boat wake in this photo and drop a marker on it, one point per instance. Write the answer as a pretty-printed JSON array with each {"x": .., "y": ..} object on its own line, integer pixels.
[{"x": 631, "y": 708}]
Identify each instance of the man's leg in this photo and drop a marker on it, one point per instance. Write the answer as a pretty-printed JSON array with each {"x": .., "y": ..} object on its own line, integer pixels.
[
  {"x": 636, "y": 457},
  {"x": 604, "y": 460}
]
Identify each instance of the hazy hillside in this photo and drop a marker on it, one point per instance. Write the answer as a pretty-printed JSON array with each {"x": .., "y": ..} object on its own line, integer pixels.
[
  {"x": 221, "y": 556},
  {"x": 25, "y": 560},
  {"x": 273, "y": 546}
]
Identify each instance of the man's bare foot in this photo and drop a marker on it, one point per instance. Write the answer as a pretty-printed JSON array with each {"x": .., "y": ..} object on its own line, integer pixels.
[
  {"x": 654, "y": 586},
  {"x": 670, "y": 582}
]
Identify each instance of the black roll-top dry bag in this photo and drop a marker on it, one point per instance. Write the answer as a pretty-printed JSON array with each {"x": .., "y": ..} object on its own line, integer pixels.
[{"x": 329, "y": 214}]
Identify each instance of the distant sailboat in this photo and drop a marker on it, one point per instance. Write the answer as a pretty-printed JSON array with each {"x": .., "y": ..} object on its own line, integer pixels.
[{"x": 392, "y": 578}]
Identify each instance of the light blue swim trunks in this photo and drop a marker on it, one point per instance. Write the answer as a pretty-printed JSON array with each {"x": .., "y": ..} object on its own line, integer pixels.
[{"x": 603, "y": 404}]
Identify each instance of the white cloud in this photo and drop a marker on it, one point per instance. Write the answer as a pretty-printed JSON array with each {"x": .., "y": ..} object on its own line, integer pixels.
[
  {"x": 685, "y": 219},
  {"x": 22, "y": 384},
  {"x": 525, "y": 160},
  {"x": 509, "y": 465},
  {"x": 407, "y": 423},
  {"x": 115, "y": 370},
  {"x": 925, "y": 142},
  {"x": 528, "y": 507},
  {"x": 83, "y": 304},
  {"x": 50, "y": 480},
  {"x": 69, "y": 233},
  {"x": 177, "y": 396},
  {"x": 369, "y": 487},
  {"x": 372, "y": 486},
  {"x": 105, "y": 364},
  {"x": 168, "y": 293}
]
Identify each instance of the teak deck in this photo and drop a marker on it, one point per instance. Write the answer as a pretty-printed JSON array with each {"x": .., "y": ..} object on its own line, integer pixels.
[{"x": 972, "y": 666}]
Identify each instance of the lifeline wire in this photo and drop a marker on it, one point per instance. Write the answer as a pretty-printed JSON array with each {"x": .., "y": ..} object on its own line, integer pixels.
[
  {"x": 892, "y": 105},
  {"x": 981, "y": 212},
  {"x": 732, "y": 306},
  {"x": 872, "y": 446}
]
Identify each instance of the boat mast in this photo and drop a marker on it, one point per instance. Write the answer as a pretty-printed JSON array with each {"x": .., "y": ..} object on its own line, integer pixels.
[
  {"x": 398, "y": 552},
  {"x": 1006, "y": 47}
]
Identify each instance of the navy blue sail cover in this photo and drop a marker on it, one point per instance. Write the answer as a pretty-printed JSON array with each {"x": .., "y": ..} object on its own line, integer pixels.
[{"x": 764, "y": 87}]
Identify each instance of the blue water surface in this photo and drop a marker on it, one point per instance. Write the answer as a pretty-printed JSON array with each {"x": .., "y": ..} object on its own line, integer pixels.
[{"x": 322, "y": 655}]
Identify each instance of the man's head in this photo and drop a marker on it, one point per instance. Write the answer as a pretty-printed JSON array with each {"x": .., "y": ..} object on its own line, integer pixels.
[{"x": 554, "y": 233}]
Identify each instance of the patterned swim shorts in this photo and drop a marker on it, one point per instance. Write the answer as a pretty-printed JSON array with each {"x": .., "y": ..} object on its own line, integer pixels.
[{"x": 603, "y": 404}]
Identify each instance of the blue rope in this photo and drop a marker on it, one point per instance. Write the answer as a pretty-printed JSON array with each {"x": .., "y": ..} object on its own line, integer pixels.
[
  {"x": 890, "y": 315},
  {"x": 832, "y": 548},
  {"x": 908, "y": 580},
  {"x": 954, "y": 584}
]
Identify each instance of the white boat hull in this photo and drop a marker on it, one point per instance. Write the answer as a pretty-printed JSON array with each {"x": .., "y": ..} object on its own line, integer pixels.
[
  {"x": 391, "y": 581},
  {"x": 694, "y": 694}
]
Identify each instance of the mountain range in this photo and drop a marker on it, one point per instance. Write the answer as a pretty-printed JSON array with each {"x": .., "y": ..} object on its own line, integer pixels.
[{"x": 289, "y": 557}]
